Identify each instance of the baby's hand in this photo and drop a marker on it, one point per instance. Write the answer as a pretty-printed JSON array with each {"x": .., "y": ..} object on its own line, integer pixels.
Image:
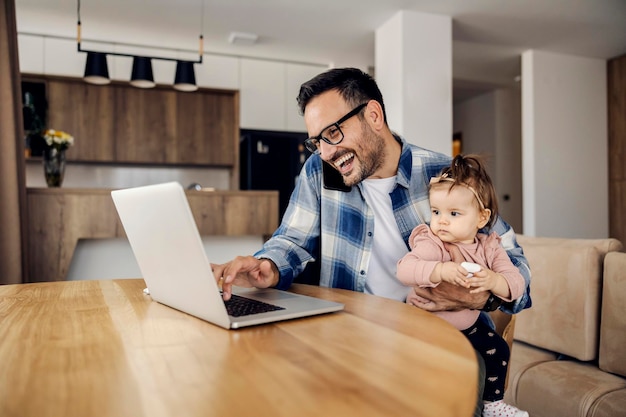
[
  {"x": 455, "y": 274},
  {"x": 485, "y": 280}
]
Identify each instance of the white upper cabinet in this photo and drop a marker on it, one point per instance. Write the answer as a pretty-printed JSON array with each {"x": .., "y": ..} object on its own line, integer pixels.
[
  {"x": 262, "y": 95},
  {"x": 268, "y": 94},
  {"x": 297, "y": 74},
  {"x": 61, "y": 57},
  {"x": 30, "y": 49},
  {"x": 218, "y": 72}
]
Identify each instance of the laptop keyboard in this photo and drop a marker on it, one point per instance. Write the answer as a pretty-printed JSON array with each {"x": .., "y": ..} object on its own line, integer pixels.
[{"x": 240, "y": 306}]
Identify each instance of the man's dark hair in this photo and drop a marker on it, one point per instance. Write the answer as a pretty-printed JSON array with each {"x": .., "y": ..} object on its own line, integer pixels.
[{"x": 355, "y": 86}]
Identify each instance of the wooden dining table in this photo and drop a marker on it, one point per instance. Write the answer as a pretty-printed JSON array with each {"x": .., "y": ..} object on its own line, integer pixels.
[{"x": 104, "y": 348}]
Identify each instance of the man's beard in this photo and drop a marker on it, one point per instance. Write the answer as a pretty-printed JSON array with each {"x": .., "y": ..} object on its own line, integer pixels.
[{"x": 371, "y": 155}]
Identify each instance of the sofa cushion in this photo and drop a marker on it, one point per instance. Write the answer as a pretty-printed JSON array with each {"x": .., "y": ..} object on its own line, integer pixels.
[
  {"x": 612, "y": 356},
  {"x": 565, "y": 388},
  {"x": 523, "y": 357},
  {"x": 565, "y": 289},
  {"x": 611, "y": 404}
]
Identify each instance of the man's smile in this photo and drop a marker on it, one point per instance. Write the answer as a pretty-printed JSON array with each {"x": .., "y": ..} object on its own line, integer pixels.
[{"x": 344, "y": 163}]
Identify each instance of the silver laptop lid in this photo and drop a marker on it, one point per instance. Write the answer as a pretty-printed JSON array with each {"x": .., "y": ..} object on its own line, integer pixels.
[
  {"x": 168, "y": 249},
  {"x": 167, "y": 246}
]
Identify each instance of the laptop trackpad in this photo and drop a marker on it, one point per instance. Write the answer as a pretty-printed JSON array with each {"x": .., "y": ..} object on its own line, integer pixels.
[{"x": 269, "y": 295}]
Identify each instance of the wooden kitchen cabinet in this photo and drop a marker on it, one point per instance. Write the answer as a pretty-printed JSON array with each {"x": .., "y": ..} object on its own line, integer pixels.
[
  {"x": 204, "y": 124},
  {"x": 118, "y": 123},
  {"x": 85, "y": 111},
  {"x": 145, "y": 128}
]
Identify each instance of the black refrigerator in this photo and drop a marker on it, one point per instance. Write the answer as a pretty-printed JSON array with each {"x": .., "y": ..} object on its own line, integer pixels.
[{"x": 271, "y": 161}]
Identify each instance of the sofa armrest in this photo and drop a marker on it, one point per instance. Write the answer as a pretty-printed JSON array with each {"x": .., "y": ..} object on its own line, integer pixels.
[{"x": 613, "y": 325}]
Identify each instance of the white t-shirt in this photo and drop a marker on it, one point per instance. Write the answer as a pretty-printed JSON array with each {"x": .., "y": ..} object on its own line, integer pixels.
[{"x": 388, "y": 246}]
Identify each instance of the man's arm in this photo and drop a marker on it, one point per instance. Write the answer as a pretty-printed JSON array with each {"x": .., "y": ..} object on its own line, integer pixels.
[
  {"x": 447, "y": 297},
  {"x": 516, "y": 254},
  {"x": 297, "y": 238}
]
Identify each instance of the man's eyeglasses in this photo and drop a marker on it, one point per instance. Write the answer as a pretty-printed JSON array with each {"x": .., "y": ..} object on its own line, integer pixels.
[{"x": 331, "y": 134}]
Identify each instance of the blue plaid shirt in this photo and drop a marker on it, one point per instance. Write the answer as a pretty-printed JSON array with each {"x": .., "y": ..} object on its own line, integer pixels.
[{"x": 336, "y": 221}]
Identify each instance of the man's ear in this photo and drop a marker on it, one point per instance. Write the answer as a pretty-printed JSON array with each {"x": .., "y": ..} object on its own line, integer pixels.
[
  {"x": 373, "y": 113},
  {"x": 485, "y": 215}
]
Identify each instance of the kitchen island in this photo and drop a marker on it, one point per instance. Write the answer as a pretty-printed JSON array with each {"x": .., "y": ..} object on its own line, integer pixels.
[{"x": 58, "y": 217}]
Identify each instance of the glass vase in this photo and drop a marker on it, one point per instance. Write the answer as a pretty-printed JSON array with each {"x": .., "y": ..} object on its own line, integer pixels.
[{"x": 54, "y": 166}]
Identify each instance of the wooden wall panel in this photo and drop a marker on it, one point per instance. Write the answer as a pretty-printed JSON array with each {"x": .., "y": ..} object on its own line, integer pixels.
[{"x": 617, "y": 147}]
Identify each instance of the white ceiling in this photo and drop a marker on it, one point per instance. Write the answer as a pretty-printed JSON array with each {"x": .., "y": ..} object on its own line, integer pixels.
[{"x": 489, "y": 35}]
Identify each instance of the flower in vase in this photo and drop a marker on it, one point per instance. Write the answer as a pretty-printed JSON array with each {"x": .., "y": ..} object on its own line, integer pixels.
[{"x": 58, "y": 139}]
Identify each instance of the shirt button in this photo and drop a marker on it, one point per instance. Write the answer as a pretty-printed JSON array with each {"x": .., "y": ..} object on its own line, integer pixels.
[
  {"x": 362, "y": 272},
  {"x": 369, "y": 234}
]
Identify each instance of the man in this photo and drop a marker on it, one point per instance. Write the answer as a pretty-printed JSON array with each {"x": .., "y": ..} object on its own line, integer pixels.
[{"x": 356, "y": 202}]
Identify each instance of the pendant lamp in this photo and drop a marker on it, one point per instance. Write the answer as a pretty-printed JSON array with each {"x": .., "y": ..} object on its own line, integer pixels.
[
  {"x": 141, "y": 75},
  {"x": 97, "y": 72},
  {"x": 96, "y": 69},
  {"x": 185, "y": 79}
]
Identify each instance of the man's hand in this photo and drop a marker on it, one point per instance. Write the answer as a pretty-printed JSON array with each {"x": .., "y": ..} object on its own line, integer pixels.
[
  {"x": 245, "y": 271},
  {"x": 446, "y": 297}
]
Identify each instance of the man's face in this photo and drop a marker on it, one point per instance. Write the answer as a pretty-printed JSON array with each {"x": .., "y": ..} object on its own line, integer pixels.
[{"x": 361, "y": 152}]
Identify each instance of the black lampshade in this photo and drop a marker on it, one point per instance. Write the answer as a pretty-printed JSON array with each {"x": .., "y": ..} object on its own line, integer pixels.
[
  {"x": 141, "y": 75},
  {"x": 185, "y": 79},
  {"x": 96, "y": 69}
]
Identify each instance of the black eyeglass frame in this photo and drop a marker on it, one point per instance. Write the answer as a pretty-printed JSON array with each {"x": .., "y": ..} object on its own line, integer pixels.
[{"x": 312, "y": 142}]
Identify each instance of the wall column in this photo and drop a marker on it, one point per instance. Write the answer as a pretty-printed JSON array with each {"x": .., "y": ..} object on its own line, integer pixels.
[
  {"x": 414, "y": 72},
  {"x": 564, "y": 146}
]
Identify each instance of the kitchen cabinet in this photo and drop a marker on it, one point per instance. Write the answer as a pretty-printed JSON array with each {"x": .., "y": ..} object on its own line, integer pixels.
[
  {"x": 119, "y": 123},
  {"x": 60, "y": 57},
  {"x": 218, "y": 72},
  {"x": 268, "y": 94},
  {"x": 295, "y": 75},
  {"x": 60, "y": 217},
  {"x": 86, "y": 111},
  {"x": 207, "y": 128},
  {"x": 30, "y": 50},
  {"x": 262, "y": 95},
  {"x": 145, "y": 125}
]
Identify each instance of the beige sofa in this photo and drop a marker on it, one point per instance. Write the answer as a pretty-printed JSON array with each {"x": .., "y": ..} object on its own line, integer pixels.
[{"x": 569, "y": 350}]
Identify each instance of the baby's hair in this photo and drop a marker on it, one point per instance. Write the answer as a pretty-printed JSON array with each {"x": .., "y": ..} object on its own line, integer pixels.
[{"x": 469, "y": 170}]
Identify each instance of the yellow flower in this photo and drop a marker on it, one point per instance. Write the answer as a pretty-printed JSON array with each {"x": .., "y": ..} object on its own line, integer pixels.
[{"x": 58, "y": 139}]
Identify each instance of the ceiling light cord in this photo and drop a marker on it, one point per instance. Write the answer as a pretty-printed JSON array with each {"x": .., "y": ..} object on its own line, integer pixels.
[
  {"x": 201, "y": 38},
  {"x": 78, "y": 34}
]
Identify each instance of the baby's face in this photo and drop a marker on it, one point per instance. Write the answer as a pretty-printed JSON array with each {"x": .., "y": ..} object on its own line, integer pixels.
[{"x": 455, "y": 214}]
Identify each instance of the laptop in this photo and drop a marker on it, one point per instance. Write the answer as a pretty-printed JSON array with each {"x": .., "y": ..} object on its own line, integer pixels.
[{"x": 167, "y": 246}]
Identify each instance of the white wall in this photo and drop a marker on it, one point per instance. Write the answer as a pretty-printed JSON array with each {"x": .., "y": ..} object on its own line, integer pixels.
[
  {"x": 564, "y": 145},
  {"x": 491, "y": 126},
  {"x": 475, "y": 118},
  {"x": 508, "y": 160},
  {"x": 110, "y": 176}
]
